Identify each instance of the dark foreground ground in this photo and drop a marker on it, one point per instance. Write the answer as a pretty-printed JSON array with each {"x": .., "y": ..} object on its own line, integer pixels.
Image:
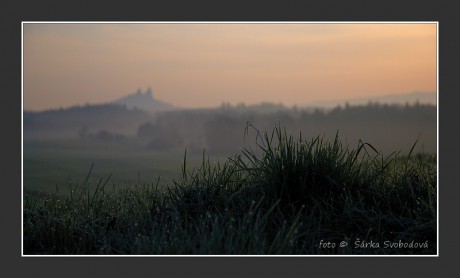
[{"x": 289, "y": 196}]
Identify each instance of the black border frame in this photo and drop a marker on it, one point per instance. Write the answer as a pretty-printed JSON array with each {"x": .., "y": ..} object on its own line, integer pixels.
[{"x": 14, "y": 12}]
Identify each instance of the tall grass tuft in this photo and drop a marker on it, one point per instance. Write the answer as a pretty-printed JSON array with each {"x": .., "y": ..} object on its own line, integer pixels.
[{"x": 287, "y": 196}]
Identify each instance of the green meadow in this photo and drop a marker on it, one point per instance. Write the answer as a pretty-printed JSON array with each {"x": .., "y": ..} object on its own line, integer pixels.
[
  {"x": 63, "y": 163},
  {"x": 287, "y": 195}
]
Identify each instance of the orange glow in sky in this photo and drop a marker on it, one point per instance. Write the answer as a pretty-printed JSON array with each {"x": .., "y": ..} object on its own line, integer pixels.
[{"x": 203, "y": 65}]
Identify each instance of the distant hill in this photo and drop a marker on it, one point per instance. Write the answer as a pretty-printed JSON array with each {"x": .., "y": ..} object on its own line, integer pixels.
[
  {"x": 66, "y": 122},
  {"x": 121, "y": 116},
  {"x": 143, "y": 101},
  {"x": 402, "y": 99}
]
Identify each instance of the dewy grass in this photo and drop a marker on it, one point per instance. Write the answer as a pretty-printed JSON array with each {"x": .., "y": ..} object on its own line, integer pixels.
[{"x": 287, "y": 196}]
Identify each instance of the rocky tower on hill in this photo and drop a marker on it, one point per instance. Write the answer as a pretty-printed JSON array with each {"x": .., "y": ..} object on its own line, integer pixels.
[{"x": 144, "y": 101}]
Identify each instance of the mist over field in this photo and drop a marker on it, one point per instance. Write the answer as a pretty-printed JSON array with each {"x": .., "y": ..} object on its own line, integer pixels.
[
  {"x": 244, "y": 179},
  {"x": 143, "y": 143}
]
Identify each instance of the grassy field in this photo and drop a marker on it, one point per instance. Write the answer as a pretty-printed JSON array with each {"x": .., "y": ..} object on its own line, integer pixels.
[
  {"x": 62, "y": 164},
  {"x": 290, "y": 196}
]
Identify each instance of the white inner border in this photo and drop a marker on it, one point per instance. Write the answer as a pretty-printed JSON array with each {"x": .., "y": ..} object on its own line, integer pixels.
[{"x": 225, "y": 22}]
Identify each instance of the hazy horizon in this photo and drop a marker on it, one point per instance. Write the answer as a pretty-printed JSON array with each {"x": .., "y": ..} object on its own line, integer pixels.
[
  {"x": 316, "y": 104},
  {"x": 204, "y": 65}
]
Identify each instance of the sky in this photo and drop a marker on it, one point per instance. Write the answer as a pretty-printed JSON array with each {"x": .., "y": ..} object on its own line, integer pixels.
[{"x": 203, "y": 65}]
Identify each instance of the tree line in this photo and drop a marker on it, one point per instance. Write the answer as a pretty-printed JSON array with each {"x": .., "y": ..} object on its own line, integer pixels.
[{"x": 224, "y": 130}]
